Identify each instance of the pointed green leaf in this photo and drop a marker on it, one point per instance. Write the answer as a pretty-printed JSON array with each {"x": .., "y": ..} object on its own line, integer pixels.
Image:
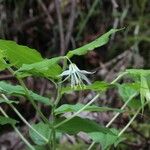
[
  {"x": 5, "y": 120},
  {"x": 44, "y": 130},
  {"x": 45, "y": 68},
  {"x": 8, "y": 102},
  {"x": 74, "y": 108},
  {"x": 127, "y": 90},
  {"x": 96, "y": 86},
  {"x": 18, "y": 90},
  {"x": 78, "y": 124},
  {"x": 105, "y": 139},
  {"x": 18, "y": 54},
  {"x": 102, "y": 40}
]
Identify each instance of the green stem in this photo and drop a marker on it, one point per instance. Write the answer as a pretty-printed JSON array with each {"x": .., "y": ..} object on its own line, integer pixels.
[
  {"x": 28, "y": 94},
  {"x": 132, "y": 119},
  {"x": 23, "y": 119},
  {"x": 113, "y": 119},
  {"x": 117, "y": 114},
  {"x": 75, "y": 114},
  {"x": 18, "y": 132}
]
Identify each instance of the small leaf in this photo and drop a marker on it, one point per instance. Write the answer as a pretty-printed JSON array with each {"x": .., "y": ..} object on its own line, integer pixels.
[
  {"x": 105, "y": 139},
  {"x": 7, "y": 102},
  {"x": 74, "y": 108},
  {"x": 18, "y": 90},
  {"x": 46, "y": 68},
  {"x": 44, "y": 130},
  {"x": 96, "y": 86},
  {"x": 102, "y": 40},
  {"x": 78, "y": 124},
  {"x": 127, "y": 90},
  {"x": 18, "y": 54},
  {"x": 5, "y": 120}
]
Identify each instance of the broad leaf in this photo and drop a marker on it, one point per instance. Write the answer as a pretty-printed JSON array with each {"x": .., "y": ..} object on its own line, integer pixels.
[
  {"x": 102, "y": 40},
  {"x": 5, "y": 120},
  {"x": 74, "y": 108},
  {"x": 18, "y": 54},
  {"x": 17, "y": 90},
  {"x": 105, "y": 139},
  {"x": 96, "y": 86},
  {"x": 78, "y": 124},
  {"x": 46, "y": 68},
  {"x": 44, "y": 130}
]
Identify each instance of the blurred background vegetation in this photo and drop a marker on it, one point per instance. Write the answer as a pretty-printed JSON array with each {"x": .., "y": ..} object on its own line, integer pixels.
[{"x": 55, "y": 26}]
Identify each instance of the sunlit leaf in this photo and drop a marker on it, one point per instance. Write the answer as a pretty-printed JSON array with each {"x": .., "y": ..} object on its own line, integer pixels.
[
  {"x": 18, "y": 54},
  {"x": 102, "y": 40}
]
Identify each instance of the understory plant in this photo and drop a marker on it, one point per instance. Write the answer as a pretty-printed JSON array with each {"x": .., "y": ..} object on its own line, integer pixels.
[{"x": 23, "y": 62}]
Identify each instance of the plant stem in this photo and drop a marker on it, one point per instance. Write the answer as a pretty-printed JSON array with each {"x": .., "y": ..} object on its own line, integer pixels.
[
  {"x": 75, "y": 114},
  {"x": 23, "y": 119},
  {"x": 28, "y": 94},
  {"x": 132, "y": 119},
  {"x": 17, "y": 131},
  {"x": 117, "y": 114}
]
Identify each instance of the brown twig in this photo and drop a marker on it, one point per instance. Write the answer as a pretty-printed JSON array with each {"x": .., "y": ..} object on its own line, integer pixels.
[
  {"x": 46, "y": 12},
  {"x": 61, "y": 31},
  {"x": 6, "y": 77},
  {"x": 70, "y": 22}
]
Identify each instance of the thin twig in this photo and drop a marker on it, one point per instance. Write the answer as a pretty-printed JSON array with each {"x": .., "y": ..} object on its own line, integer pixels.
[
  {"x": 60, "y": 23},
  {"x": 46, "y": 12},
  {"x": 70, "y": 22}
]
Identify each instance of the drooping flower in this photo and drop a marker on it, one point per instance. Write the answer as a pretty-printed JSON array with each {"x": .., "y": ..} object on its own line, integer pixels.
[{"x": 77, "y": 76}]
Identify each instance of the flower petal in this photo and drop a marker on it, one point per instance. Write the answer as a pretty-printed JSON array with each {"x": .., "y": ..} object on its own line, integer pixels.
[
  {"x": 65, "y": 73},
  {"x": 86, "y": 72},
  {"x": 85, "y": 78}
]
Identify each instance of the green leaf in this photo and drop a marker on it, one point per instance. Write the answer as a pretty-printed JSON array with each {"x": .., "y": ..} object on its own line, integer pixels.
[
  {"x": 102, "y": 40},
  {"x": 74, "y": 108},
  {"x": 96, "y": 86},
  {"x": 144, "y": 90},
  {"x": 105, "y": 139},
  {"x": 7, "y": 102},
  {"x": 46, "y": 68},
  {"x": 2, "y": 65},
  {"x": 78, "y": 124},
  {"x": 18, "y": 54},
  {"x": 43, "y": 129},
  {"x": 5, "y": 120},
  {"x": 127, "y": 90},
  {"x": 18, "y": 90},
  {"x": 137, "y": 73}
]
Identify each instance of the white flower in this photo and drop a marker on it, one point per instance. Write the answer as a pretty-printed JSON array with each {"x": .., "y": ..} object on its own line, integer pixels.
[{"x": 76, "y": 75}]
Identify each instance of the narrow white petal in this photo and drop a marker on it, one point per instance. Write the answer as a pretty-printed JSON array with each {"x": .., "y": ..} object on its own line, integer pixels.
[
  {"x": 85, "y": 78},
  {"x": 86, "y": 72},
  {"x": 65, "y": 73}
]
